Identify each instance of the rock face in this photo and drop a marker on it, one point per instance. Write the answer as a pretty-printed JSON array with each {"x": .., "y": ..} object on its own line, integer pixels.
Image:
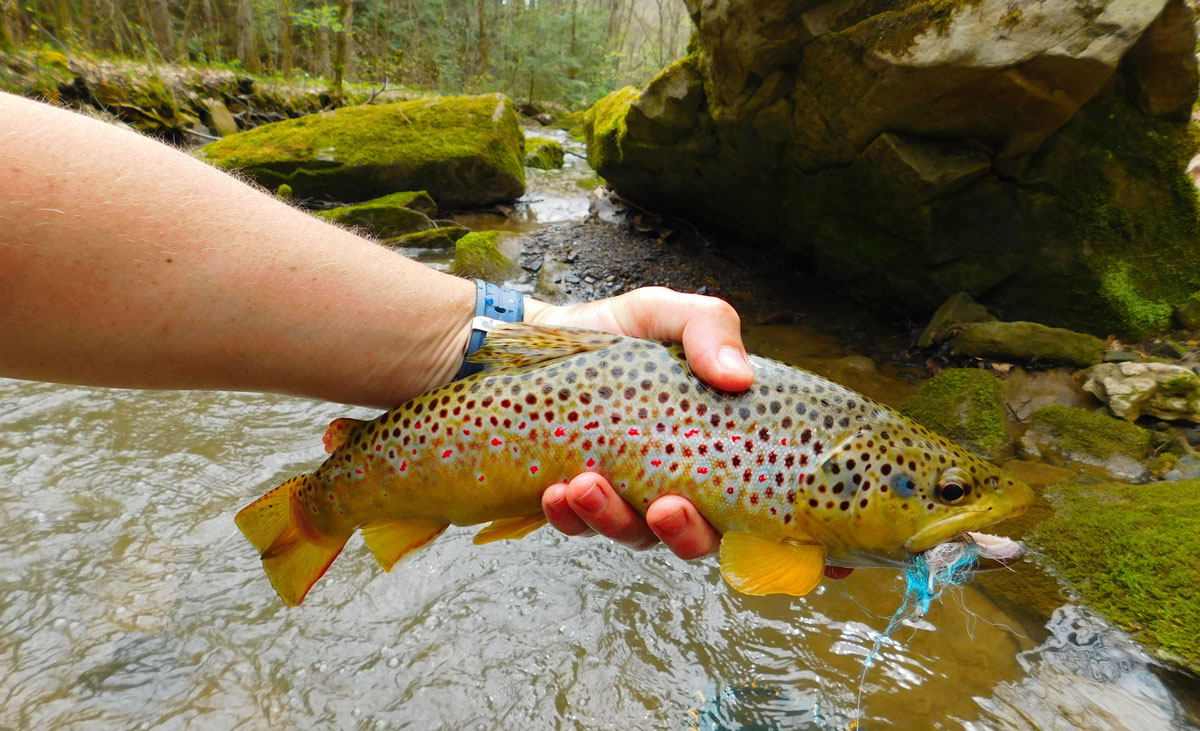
[
  {"x": 465, "y": 151},
  {"x": 1029, "y": 152}
]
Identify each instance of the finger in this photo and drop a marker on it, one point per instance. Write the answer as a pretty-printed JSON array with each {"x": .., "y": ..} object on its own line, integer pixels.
[
  {"x": 560, "y": 514},
  {"x": 837, "y": 572},
  {"x": 594, "y": 500},
  {"x": 708, "y": 327},
  {"x": 681, "y": 527}
]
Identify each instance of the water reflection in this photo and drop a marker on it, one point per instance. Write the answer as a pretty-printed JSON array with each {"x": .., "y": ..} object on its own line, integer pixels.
[{"x": 130, "y": 600}]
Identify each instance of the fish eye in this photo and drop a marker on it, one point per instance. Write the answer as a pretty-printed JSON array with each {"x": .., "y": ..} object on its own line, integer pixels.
[{"x": 953, "y": 487}]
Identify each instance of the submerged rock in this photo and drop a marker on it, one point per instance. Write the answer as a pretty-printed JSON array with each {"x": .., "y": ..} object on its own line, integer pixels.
[
  {"x": 1028, "y": 342},
  {"x": 1063, "y": 434},
  {"x": 1028, "y": 152},
  {"x": 1156, "y": 389},
  {"x": 490, "y": 255},
  {"x": 465, "y": 151},
  {"x": 389, "y": 216},
  {"x": 958, "y": 310},
  {"x": 542, "y": 153},
  {"x": 442, "y": 237},
  {"x": 1130, "y": 552},
  {"x": 964, "y": 404}
]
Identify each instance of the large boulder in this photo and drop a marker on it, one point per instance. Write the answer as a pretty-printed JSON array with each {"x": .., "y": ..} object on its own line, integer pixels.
[
  {"x": 464, "y": 151},
  {"x": 1029, "y": 152}
]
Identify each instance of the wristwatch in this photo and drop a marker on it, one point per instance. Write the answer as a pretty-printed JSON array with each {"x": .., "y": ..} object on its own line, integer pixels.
[{"x": 492, "y": 303}]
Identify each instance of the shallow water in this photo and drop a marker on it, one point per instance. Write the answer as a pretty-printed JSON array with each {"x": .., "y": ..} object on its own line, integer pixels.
[{"x": 131, "y": 600}]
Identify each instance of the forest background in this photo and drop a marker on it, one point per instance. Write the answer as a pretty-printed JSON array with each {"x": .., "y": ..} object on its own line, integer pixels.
[{"x": 566, "y": 51}]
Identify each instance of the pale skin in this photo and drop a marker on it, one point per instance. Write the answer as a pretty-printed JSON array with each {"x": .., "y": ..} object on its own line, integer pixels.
[{"x": 127, "y": 263}]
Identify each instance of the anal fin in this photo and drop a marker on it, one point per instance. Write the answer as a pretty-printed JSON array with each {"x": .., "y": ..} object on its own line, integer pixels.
[
  {"x": 758, "y": 566},
  {"x": 509, "y": 528},
  {"x": 391, "y": 539}
]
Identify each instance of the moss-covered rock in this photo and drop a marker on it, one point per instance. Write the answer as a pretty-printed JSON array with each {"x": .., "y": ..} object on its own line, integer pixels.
[
  {"x": 1187, "y": 314},
  {"x": 1062, "y": 434},
  {"x": 965, "y": 405},
  {"x": 1157, "y": 389},
  {"x": 1131, "y": 553},
  {"x": 489, "y": 255},
  {"x": 284, "y": 192},
  {"x": 959, "y": 309},
  {"x": 442, "y": 237},
  {"x": 391, "y": 215},
  {"x": 1028, "y": 342},
  {"x": 465, "y": 151},
  {"x": 543, "y": 154}
]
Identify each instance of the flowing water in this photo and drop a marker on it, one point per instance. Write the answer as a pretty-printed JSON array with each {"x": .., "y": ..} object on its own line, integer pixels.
[{"x": 128, "y": 599}]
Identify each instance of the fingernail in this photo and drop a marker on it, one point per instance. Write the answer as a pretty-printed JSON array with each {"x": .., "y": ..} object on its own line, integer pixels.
[
  {"x": 592, "y": 500},
  {"x": 732, "y": 360},
  {"x": 671, "y": 524}
]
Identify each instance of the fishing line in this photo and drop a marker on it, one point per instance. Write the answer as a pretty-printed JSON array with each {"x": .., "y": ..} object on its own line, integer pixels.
[{"x": 927, "y": 575}]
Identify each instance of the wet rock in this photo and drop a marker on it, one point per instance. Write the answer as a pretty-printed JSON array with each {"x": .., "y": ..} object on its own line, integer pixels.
[
  {"x": 1026, "y": 391},
  {"x": 1130, "y": 552},
  {"x": 392, "y": 215},
  {"x": 963, "y": 404},
  {"x": 1037, "y": 474},
  {"x": 543, "y": 154},
  {"x": 1028, "y": 342},
  {"x": 1063, "y": 434},
  {"x": 441, "y": 237},
  {"x": 1027, "y": 152},
  {"x": 464, "y": 151},
  {"x": 489, "y": 255},
  {"x": 959, "y": 309},
  {"x": 1186, "y": 467},
  {"x": 1187, "y": 315},
  {"x": 1155, "y": 389},
  {"x": 550, "y": 277},
  {"x": 219, "y": 118}
]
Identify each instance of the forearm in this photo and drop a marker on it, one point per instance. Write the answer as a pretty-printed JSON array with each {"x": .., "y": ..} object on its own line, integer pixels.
[{"x": 124, "y": 262}]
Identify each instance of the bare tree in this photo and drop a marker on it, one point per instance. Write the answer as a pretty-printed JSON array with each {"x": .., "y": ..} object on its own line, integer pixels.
[{"x": 342, "y": 57}]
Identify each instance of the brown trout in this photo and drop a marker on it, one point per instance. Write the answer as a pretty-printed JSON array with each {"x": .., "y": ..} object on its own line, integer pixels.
[{"x": 795, "y": 472}]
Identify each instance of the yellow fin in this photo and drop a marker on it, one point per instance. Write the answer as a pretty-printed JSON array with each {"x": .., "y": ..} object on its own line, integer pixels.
[
  {"x": 510, "y": 528},
  {"x": 391, "y": 539},
  {"x": 339, "y": 432},
  {"x": 293, "y": 556},
  {"x": 758, "y": 566},
  {"x": 518, "y": 344}
]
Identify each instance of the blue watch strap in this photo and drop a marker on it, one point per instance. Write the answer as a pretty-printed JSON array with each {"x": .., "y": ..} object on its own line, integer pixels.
[{"x": 498, "y": 303}]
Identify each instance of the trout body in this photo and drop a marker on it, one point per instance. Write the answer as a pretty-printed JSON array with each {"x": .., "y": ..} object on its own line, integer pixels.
[{"x": 796, "y": 472}]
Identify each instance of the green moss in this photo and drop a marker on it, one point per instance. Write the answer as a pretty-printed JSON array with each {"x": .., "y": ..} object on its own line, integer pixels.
[
  {"x": 464, "y": 151},
  {"x": 391, "y": 215},
  {"x": 1084, "y": 432},
  {"x": 1011, "y": 19},
  {"x": 1028, "y": 342},
  {"x": 963, "y": 404},
  {"x": 1130, "y": 552},
  {"x": 605, "y": 129},
  {"x": 442, "y": 237},
  {"x": 284, "y": 192},
  {"x": 542, "y": 153},
  {"x": 479, "y": 255},
  {"x": 591, "y": 182},
  {"x": 897, "y": 25}
]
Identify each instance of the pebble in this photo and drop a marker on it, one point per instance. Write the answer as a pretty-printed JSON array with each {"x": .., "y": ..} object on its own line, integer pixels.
[
  {"x": 589, "y": 279},
  {"x": 572, "y": 277}
]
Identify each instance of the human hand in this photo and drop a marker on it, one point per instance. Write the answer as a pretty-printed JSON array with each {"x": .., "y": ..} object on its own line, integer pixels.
[{"x": 710, "y": 331}]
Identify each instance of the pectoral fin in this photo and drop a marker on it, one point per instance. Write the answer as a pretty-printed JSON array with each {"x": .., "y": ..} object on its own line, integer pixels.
[
  {"x": 758, "y": 566},
  {"x": 390, "y": 539},
  {"x": 510, "y": 528}
]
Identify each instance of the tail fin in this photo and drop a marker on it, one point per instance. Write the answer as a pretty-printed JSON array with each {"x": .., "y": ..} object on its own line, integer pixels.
[{"x": 292, "y": 554}]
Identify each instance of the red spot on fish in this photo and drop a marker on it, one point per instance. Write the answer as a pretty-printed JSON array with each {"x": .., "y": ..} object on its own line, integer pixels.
[
  {"x": 481, "y": 478},
  {"x": 783, "y": 441},
  {"x": 533, "y": 470},
  {"x": 378, "y": 447},
  {"x": 735, "y": 438},
  {"x": 656, "y": 462},
  {"x": 403, "y": 465},
  {"x": 702, "y": 470},
  {"x": 447, "y": 453},
  {"x": 496, "y": 442},
  {"x": 466, "y": 432},
  {"x": 633, "y": 432},
  {"x": 754, "y": 499},
  {"x": 591, "y": 462},
  {"x": 358, "y": 471},
  {"x": 762, "y": 478},
  {"x": 729, "y": 490},
  {"x": 560, "y": 432},
  {"x": 691, "y": 433},
  {"x": 591, "y": 425}
]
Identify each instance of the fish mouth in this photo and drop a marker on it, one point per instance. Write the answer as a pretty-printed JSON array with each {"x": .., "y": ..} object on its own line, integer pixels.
[{"x": 992, "y": 549}]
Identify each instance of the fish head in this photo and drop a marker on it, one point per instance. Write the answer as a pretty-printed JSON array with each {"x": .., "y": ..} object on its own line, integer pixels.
[{"x": 910, "y": 490}]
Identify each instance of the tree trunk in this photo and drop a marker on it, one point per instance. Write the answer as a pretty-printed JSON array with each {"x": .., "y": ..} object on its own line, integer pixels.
[
  {"x": 246, "y": 48},
  {"x": 571, "y": 69},
  {"x": 283, "y": 20},
  {"x": 483, "y": 39},
  {"x": 8, "y": 41},
  {"x": 208, "y": 43},
  {"x": 321, "y": 50},
  {"x": 160, "y": 28},
  {"x": 342, "y": 58}
]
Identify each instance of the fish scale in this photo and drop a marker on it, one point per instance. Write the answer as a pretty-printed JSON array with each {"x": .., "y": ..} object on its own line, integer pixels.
[{"x": 795, "y": 461}]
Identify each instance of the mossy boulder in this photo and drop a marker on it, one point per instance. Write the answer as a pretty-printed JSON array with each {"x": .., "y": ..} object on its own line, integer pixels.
[
  {"x": 442, "y": 237},
  {"x": 1156, "y": 389},
  {"x": 1028, "y": 342},
  {"x": 965, "y": 405},
  {"x": 390, "y": 215},
  {"x": 464, "y": 151},
  {"x": 489, "y": 255},
  {"x": 543, "y": 154},
  {"x": 1187, "y": 314},
  {"x": 1131, "y": 552},
  {"x": 958, "y": 310},
  {"x": 1064, "y": 434},
  {"x": 910, "y": 150}
]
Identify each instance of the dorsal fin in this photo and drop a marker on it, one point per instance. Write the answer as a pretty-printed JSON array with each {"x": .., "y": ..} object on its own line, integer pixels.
[
  {"x": 339, "y": 432},
  {"x": 516, "y": 344}
]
